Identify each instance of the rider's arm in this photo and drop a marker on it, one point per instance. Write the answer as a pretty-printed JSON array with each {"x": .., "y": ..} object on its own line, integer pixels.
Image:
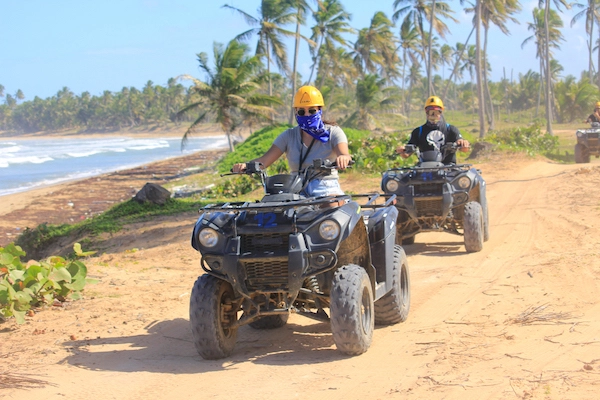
[
  {"x": 266, "y": 159},
  {"x": 412, "y": 140},
  {"x": 343, "y": 155},
  {"x": 460, "y": 141}
]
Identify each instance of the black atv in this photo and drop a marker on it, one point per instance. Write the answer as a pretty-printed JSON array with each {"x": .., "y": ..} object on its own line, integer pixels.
[
  {"x": 588, "y": 143},
  {"x": 432, "y": 197},
  {"x": 293, "y": 253}
]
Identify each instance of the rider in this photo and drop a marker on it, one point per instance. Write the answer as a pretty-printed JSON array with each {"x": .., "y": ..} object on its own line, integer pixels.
[
  {"x": 595, "y": 116},
  {"x": 313, "y": 138},
  {"x": 435, "y": 132}
]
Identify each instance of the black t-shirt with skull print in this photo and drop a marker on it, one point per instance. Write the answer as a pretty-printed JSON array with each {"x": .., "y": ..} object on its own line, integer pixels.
[{"x": 428, "y": 137}]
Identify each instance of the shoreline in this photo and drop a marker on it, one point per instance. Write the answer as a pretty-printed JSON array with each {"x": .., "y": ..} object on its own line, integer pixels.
[
  {"x": 78, "y": 199},
  {"x": 142, "y": 134}
]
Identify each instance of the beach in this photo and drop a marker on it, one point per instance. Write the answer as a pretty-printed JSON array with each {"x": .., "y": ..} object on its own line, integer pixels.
[
  {"x": 79, "y": 199},
  {"x": 520, "y": 319}
]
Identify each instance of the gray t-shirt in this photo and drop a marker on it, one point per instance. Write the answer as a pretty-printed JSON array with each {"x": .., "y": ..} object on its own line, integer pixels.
[{"x": 290, "y": 142}]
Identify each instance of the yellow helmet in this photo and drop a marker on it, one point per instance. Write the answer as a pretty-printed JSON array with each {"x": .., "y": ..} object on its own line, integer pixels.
[
  {"x": 308, "y": 96},
  {"x": 598, "y": 104},
  {"x": 434, "y": 101}
]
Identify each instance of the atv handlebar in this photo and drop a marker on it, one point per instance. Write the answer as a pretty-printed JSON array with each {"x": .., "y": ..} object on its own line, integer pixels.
[{"x": 449, "y": 147}]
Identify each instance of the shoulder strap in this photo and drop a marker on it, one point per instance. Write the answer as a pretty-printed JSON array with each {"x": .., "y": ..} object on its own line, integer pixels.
[{"x": 303, "y": 157}]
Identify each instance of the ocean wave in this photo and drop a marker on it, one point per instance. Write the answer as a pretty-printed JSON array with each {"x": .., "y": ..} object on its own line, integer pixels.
[
  {"x": 25, "y": 160},
  {"x": 69, "y": 159}
]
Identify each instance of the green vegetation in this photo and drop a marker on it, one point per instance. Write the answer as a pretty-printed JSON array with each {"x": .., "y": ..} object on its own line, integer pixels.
[
  {"x": 23, "y": 286},
  {"x": 36, "y": 239},
  {"x": 530, "y": 140}
]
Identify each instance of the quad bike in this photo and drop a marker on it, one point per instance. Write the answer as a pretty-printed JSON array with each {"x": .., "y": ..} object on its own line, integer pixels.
[
  {"x": 290, "y": 252},
  {"x": 433, "y": 197},
  {"x": 588, "y": 143}
]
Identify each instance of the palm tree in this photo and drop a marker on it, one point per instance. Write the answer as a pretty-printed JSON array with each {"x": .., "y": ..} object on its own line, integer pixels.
[
  {"x": 573, "y": 98},
  {"x": 273, "y": 14},
  {"x": 301, "y": 6},
  {"x": 373, "y": 99},
  {"x": 547, "y": 11},
  {"x": 538, "y": 27},
  {"x": 331, "y": 23},
  {"x": 231, "y": 89},
  {"x": 495, "y": 12},
  {"x": 418, "y": 11},
  {"x": 375, "y": 48},
  {"x": 409, "y": 42},
  {"x": 592, "y": 13}
]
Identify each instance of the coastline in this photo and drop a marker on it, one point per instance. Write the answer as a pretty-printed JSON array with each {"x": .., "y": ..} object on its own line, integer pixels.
[
  {"x": 72, "y": 201},
  {"x": 204, "y": 131}
]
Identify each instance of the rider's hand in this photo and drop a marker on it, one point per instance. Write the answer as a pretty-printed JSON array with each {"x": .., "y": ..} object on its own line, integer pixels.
[
  {"x": 464, "y": 144},
  {"x": 400, "y": 150},
  {"x": 238, "y": 168},
  {"x": 342, "y": 161}
]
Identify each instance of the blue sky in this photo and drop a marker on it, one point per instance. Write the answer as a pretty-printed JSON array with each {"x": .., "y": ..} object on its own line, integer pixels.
[{"x": 106, "y": 45}]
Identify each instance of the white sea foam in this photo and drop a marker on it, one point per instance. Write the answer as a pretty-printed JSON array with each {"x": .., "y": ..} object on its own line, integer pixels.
[{"x": 72, "y": 158}]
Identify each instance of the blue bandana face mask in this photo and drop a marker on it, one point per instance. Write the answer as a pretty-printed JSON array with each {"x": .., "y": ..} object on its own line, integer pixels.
[{"x": 314, "y": 126}]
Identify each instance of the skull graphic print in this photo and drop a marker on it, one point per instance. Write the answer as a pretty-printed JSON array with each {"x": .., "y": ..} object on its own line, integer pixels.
[{"x": 436, "y": 139}]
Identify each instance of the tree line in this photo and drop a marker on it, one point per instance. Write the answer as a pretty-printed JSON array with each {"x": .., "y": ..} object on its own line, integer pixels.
[{"x": 374, "y": 77}]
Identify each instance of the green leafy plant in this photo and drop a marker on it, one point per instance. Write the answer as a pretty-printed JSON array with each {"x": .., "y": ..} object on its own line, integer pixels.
[
  {"x": 530, "y": 139},
  {"x": 37, "y": 283}
]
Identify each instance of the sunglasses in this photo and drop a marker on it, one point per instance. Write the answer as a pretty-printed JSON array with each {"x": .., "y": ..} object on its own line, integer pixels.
[
  {"x": 434, "y": 112},
  {"x": 302, "y": 112}
]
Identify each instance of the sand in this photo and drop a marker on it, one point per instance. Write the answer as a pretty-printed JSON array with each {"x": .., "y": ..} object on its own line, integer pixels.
[{"x": 520, "y": 319}]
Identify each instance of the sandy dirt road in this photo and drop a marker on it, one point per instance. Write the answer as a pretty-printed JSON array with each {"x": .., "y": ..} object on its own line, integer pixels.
[{"x": 518, "y": 320}]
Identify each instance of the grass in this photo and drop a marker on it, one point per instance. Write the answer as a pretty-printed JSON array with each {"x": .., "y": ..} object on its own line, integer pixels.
[{"x": 227, "y": 188}]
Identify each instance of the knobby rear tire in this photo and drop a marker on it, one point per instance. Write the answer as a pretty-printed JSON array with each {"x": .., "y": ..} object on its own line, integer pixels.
[{"x": 394, "y": 306}]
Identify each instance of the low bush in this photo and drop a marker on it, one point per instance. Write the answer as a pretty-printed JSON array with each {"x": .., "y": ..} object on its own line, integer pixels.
[{"x": 38, "y": 283}]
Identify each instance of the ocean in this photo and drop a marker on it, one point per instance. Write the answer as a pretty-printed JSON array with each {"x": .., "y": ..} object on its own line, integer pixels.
[{"x": 27, "y": 164}]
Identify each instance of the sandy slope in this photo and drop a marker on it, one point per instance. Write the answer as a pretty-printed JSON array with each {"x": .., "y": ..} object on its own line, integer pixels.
[{"x": 520, "y": 319}]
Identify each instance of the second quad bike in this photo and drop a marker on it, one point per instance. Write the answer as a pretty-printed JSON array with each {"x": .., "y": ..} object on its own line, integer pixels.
[
  {"x": 328, "y": 258},
  {"x": 432, "y": 196},
  {"x": 588, "y": 143}
]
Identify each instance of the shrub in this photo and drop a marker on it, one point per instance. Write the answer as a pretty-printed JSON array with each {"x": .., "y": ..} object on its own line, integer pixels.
[{"x": 23, "y": 286}]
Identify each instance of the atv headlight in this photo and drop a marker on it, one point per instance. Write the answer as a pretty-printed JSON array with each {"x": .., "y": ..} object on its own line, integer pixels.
[
  {"x": 391, "y": 185},
  {"x": 329, "y": 229},
  {"x": 208, "y": 237},
  {"x": 579, "y": 134},
  {"x": 464, "y": 182}
]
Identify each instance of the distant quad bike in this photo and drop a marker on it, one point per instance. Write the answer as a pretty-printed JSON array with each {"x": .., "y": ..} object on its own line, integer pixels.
[
  {"x": 433, "y": 197},
  {"x": 588, "y": 143},
  {"x": 292, "y": 253}
]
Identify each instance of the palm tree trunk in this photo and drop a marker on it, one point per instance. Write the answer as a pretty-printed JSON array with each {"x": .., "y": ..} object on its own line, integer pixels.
[
  {"x": 548, "y": 78},
  {"x": 429, "y": 49},
  {"x": 489, "y": 103},
  {"x": 291, "y": 119},
  {"x": 478, "y": 69},
  {"x": 537, "y": 108},
  {"x": 598, "y": 75},
  {"x": 456, "y": 63},
  {"x": 591, "y": 66},
  {"x": 316, "y": 60}
]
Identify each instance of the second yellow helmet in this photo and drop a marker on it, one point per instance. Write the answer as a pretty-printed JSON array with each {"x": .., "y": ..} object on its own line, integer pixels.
[
  {"x": 308, "y": 96},
  {"x": 434, "y": 101}
]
